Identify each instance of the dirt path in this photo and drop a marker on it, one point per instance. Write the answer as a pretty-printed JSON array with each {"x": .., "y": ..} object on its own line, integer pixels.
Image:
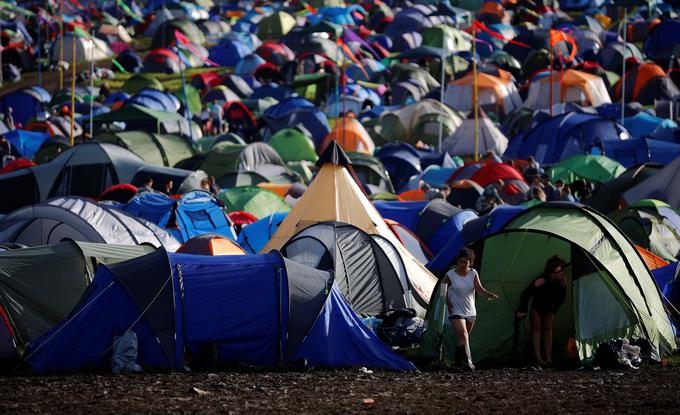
[{"x": 649, "y": 390}]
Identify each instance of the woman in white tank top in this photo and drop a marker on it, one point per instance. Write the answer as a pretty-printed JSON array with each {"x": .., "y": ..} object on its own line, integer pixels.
[{"x": 461, "y": 283}]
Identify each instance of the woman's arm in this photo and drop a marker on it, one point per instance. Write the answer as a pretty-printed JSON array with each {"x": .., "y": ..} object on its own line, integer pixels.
[{"x": 480, "y": 289}]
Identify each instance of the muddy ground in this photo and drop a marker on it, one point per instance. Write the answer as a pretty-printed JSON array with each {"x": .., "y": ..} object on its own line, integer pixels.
[{"x": 648, "y": 390}]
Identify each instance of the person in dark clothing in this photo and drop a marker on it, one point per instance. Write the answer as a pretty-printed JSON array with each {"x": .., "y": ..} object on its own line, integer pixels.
[{"x": 549, "y": 292}]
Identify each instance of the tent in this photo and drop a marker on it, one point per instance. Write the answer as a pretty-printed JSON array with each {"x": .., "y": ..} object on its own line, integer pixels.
[
  {"x": 568, "y": 86},
  {"x": 256, "y": 310},
  {"x": 418, "y": 122},
  {"x": 253, "y": 199},
  {"x": 162, "y": 60},
  {"x": 371, "y": 173},
  {"x": 462, "y": 142},
  {"x": 25, "y": 143},
  {"x": 229, "y": 52},
  {"x": 137, "y": 118},
  {"x": 275, "y": 26},
  {"x": 646, "y": 83},
  {"x": 661, "y": 40},
  {"x": 293, "y": 145},
  {"x": 401, "y": 160},
  {"x": 591, "y": 167},
  {"x": 653, "y": 225},
  {"x": 553, "y": 139},
  {"x": 210, "y": 244},
  {"x": 159, "y": 149},
  {"x": 335, "y": 196},
  {"x": 140, "y": 81},
  {"x": 39, "y": 286},
  {"x": 367, "y": 268},
  {"x": 607, "y": 196},
  {"x": 254, "y": 237},
  {"x": 496, "y": 95},
  {"x": 79, "y": 219},
  {"x": 26, "y": 103},
  {"x": 351, "y": 135},
  {"x": 196, "y": 212},
  {"x": 664, "y": 185},
  {"x": 610, "y": 291},
  {"x": 87, "y": 49},
  {"x": 292, "y": 112},
  {"x": 165, "y": 33},
  {"x": 84, "y": 170}
]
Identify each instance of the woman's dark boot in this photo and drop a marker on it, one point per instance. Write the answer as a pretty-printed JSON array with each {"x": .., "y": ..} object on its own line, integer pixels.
[{"x": 460, "y": 356}]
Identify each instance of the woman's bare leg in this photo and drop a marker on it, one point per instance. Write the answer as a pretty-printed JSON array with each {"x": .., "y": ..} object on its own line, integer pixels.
[{"x": 536, "y": 335}]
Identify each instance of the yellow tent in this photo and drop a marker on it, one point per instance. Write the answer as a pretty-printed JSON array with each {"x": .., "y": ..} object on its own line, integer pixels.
[{"x": 335, "y": 196}]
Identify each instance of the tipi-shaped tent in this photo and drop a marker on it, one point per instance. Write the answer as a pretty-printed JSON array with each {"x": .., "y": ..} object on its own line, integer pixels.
[
  {"x": 335, "y": 196},
  {"x": 462, "y": 142}
]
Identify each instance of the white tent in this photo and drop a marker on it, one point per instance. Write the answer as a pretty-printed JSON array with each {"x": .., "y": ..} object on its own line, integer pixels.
[
  {"x": 462, "y": 142},
  {"x": 87, "y": 50}
]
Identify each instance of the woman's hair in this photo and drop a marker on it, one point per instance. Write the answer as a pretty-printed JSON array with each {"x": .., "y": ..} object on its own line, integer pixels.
[
  {"x": 552, "y": 263},
  {"x": 466, "y": 253}
]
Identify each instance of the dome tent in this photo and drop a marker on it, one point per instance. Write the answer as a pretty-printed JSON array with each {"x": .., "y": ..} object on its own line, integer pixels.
[
  {"x": 80, "y": 220},
  {"x": 610, "y": 291}
]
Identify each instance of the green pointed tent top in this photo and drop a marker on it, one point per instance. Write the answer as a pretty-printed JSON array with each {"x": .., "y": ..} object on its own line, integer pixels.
[
  {"x": 254, "y": 200},
  {"x": 591, "y": 167},
  {"x": 292, "y": 145},
  {"x": 139, "y": 81},
  {"x": 223, "y": 157},
  {"x": 276, "y": 26}
]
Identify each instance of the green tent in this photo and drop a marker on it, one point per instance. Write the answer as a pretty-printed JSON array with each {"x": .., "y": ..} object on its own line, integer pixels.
[
  {"x": 652, "y": 224},
  {"x": 446, "y": 37},
  {"x": 39, "y": 286},
  {"x": 317, "y": 4},
  {"x": 293, "y": 145},
  {"x": 159, "y": 149},
  {"x": 371, "y": 172},
  {"x": 610, "y": 293},
  {"x": 138, "y": 118},
  {"x": 275, "y": 26},
  {"x": 193, "y": 98},
  {"x": 205, "y": 143},
  {"x": 594, "y": 168},
  {"x": 165, "y": 33},
  {"x": 254, "y": 200},
  {"x": 222, "y": 158},
  {"x": 140, "y": 81}
]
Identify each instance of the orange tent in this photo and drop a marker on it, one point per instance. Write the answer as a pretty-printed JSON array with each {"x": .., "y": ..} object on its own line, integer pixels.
[
  {"x": 351, "y": 136},
  {"x": 211, "y": 245},
  {"x": 651, "y": 260},
  {"x": 279, "y": 189},
  {"x": 568, "y": 86},
  {"x": 498, "y": 92},
  {"x": 412, "y": 195}
]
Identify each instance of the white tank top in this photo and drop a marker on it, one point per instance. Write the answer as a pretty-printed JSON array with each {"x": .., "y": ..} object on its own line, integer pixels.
[{"x": 462, "y": 293}]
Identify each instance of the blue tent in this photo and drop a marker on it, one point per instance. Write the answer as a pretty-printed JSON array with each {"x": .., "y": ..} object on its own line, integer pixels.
[
  {"x": 405, "y": 213},
  {"x": 272, "y": 90},
  {"x": 259, "y": 310},
  {"x": 255, "y": 236},
  {"x": 247, "y": 65},
  {"x": 643, "y": 125},
  {"x": 401, "y": 162},
  {"x": 293, "y": 111},
  {"x": 641, "y": 150},
  {"x": 26, "y": 143},
  {"x": 411, "y": 19},
  {"x": 229, "y": 52},
  {"x": 155, "y": 100},
  {"x": 665, "y": 36},
  {"x": 195, "y": 213},
  {"x": 473, "y": 230},
  {"x": 26, "y": 103},
  {"x": 563, "y": 136},
  {"x": 669, "y": 285}
]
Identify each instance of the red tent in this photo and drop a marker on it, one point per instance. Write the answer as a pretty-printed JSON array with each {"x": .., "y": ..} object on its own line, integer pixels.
[
  {"x": 16, "y": 165},
  {"x": 494, "y": 171}
]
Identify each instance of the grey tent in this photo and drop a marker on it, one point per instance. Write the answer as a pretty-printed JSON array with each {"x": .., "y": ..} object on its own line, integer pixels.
[
  {"x": 79, "y": 219},
  {"x": 664, "y": 185},
  {"x": 84, "y": 170},
  {"x": 368, "y": 268},
  {"x": 39, "y": 286}
]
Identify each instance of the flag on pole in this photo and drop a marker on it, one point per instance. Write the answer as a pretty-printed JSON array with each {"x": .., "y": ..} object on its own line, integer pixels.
[
  {"x": 129, "y": 11},
  {"x": 309, "y": 8},
  {"x": 184, "y": 44},
  {"x": 557, "y": 36}
]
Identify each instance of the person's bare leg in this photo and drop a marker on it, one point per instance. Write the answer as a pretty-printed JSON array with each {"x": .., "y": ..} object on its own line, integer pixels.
[
  {"x": 547, "y": 328},
  {"x": 536, "y": 336},
  {"x": 460, "y": 329},
  {"x": 469, "y": 325}
]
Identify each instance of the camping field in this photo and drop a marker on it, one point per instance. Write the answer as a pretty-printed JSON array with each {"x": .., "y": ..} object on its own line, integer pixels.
[{"x": 648, "y": 390}]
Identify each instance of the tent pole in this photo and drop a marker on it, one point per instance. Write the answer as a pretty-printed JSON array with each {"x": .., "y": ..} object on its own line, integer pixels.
[
  {"x": 550, "y": 100},
  {"x": 61, "y": 45},
  {"x": 475, "y": 93},
  {"x": 92, "y": 84},
  {"x": 441, "y": 98},
  {"x": 37, "y": 21},
  {"x": 73, "y": 86},
  {"x": 623, "y": 70}
]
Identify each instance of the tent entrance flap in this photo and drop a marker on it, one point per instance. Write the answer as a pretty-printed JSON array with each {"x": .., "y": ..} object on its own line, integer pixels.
[{"x": 508, "y": 272}]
